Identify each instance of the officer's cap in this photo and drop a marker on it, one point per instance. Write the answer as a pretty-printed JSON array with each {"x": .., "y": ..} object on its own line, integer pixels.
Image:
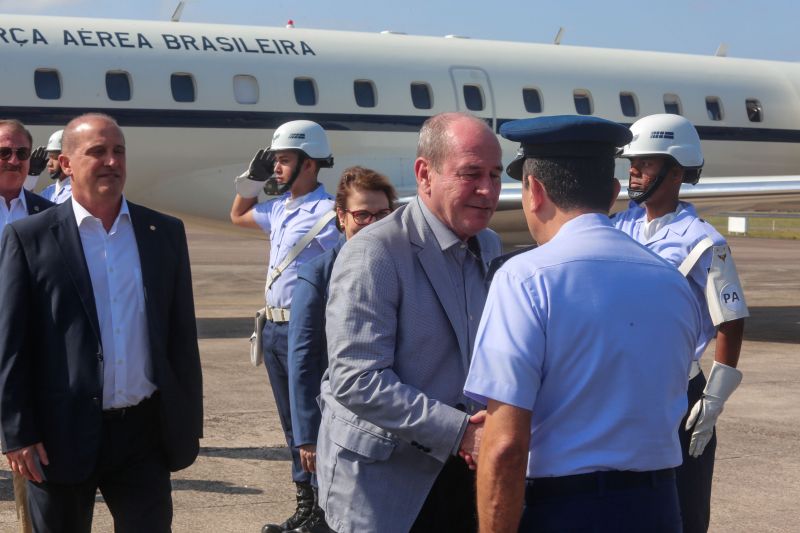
[{"x": 563, "y": 136}]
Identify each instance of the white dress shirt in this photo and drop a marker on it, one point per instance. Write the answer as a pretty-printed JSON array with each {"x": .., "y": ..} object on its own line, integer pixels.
[
  {"x": 17, "y": 210},
  {"x": 116, "y": 274}
]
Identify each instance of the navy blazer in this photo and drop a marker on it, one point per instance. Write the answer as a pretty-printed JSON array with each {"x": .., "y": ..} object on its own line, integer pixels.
[
  {"x": 51, "y": 354},
  {"x": 308, "y": 347},
  {"x": 35, "y": 203}
]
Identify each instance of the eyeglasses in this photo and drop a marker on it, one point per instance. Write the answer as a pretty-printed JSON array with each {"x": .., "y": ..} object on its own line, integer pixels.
[
  {"x": 22, "y": 153},
  {"x": 363, "y": 217}
]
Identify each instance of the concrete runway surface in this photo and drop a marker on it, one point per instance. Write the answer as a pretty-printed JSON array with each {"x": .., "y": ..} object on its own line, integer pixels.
[{"x": 242, "y": 480}]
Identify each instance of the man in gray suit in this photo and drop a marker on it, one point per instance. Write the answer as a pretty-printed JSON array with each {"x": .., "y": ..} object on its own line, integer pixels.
[{"x": 406, "y": 297}]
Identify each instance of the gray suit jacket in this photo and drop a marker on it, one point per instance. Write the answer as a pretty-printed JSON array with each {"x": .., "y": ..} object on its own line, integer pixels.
[{"x": 397, "y": 371}]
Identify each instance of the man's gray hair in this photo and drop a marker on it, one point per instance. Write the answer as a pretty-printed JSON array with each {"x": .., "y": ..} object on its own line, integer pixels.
[{"x": 434, "y": 136}]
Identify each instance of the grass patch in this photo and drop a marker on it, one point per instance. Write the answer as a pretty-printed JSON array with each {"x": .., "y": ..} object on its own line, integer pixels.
[{"x": 763, "y": 227}]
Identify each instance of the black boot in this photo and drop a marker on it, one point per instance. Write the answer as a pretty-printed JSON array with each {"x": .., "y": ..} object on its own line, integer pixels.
[
  {"x": 316, "y": 522},
  {"x": 305, "y": 504}
]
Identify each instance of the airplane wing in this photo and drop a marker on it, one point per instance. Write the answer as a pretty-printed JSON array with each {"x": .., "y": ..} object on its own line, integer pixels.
[{"x": 710, "y": 195}]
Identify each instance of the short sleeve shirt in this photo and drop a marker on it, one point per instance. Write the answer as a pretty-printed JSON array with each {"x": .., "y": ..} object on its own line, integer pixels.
[
  {"x": 286, "y": 221},
  {"x": 674, "y": 242},
  {"x": 568, "y": 333}
]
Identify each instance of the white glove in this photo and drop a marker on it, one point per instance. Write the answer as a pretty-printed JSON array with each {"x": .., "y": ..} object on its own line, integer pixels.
[
  {"x": 251, "y": 181},
  {"x": 722, "y": 381}
]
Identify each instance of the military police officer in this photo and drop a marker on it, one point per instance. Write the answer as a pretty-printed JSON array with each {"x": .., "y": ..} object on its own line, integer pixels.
[
  {"x": 585, "y": 380},
  {"x": 300, "y": 224},
  {"x": 664, "y": 153},
  {"x": 61, "y": 189}
]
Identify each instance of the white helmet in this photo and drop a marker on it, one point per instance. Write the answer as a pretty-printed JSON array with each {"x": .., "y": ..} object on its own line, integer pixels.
[
  {"x": 666, "y": 134},
  {"x": 54, "y": 144},
  {"x": 305, "y": 136}
]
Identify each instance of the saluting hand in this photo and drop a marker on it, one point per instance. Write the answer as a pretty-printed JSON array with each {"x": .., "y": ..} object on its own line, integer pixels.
[
  {"x": 37, "y": 161},
  {"x": 251, "y": 181}
]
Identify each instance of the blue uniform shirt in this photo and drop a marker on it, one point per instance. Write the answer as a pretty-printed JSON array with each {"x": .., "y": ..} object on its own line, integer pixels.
[
  {"x": 58, "y": 193},
  {"x": 570, "y": 333},
  {"x": 674, "y": 242},
  {"x": 286, "y": 222}
]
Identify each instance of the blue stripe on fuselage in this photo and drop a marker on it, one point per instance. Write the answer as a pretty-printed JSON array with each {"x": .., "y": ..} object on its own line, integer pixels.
[{"x": 193, "y": 118}]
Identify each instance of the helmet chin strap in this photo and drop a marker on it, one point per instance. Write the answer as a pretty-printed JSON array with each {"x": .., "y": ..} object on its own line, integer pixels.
[
  {"x": 642, "y": 196},
  {"x": 272, "y": 187}
]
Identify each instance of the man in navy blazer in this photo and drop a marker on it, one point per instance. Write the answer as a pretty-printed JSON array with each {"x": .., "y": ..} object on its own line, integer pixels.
[
  {"x": 99, "y": 365},
  {"x": 16, "y": 203}
]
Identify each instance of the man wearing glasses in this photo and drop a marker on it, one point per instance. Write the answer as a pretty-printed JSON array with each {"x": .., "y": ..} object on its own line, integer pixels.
[
  {"x": 404, "y": 303},
  {"x": 17, "y": 203},
  {"x": 288, "y": 168},
  {"x": 15, "y": 153}
]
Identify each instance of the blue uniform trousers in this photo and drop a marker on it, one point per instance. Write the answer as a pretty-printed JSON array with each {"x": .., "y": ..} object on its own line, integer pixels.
[
  {"x": 695, "y": 474},
  {"x": 276, "y": 349},
  {"x": 618, "y": 502}
]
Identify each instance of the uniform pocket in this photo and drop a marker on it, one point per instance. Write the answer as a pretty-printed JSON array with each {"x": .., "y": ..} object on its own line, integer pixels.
[{"x": 357, "y": 438}]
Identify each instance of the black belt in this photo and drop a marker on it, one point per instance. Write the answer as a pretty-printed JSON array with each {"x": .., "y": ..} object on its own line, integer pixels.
[
  {"x": 592, "y": 483},
  {"x": 120, "y": 413}
]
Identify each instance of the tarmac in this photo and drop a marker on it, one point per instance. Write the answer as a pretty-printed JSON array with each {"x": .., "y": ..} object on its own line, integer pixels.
[{"x": 242, "y": 477}]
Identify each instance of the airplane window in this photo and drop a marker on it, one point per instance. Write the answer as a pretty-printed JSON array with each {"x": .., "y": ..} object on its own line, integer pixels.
[
  {"x": 755, "y": 112},
  {"x": 583, "y": 102},
  {"x": 182, "y": 87},
  {"x": 47, "y": 83},
  {"x": 532, "y": 100},
  {"x": 118, "y": 86},
  {"x": 245, "y": 89},
  {"x": 714, "y": 108},
  {"x": 473, "y": 97},
  {"x": 364, "y": 92},
  {"x": 421, "y": 95},
  {"x": 627, "y": 101},
  {"x": 672, "y": 104},
  {"x": 304, "y": 91}
]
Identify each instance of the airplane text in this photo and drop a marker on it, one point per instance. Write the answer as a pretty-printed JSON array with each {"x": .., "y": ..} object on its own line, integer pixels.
[{"x": 122, "y": 39}]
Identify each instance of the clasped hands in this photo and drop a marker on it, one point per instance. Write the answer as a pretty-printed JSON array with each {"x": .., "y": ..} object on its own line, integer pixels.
[{"x": 471, "y": 441}]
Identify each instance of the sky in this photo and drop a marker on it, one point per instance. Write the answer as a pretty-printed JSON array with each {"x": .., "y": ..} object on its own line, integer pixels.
[{"x": 765, "y": 29}]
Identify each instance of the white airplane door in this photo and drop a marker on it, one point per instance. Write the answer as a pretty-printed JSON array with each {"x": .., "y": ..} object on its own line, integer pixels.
[{"x": 473, "y": 92}]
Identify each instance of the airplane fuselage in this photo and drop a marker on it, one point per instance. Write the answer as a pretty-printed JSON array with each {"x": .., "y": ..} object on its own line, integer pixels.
[{"x": 202, "y": 98}]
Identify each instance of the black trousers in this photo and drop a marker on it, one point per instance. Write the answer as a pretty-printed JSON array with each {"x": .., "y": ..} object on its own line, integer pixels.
[
  {"x": 450, "y": 505},
  {"x": 131, "y": 473},
  {"x": 695, "y": 474}
]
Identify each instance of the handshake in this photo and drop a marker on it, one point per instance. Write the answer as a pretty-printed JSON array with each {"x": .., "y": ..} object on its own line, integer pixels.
[{"x": 471, "y": 441}]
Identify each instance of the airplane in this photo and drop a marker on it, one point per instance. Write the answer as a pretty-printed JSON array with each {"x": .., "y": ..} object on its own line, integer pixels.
[{"x": 197, "y": 100}]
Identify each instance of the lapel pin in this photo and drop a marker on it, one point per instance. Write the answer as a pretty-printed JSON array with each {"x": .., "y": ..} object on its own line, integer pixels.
[
  {"x": 36, "y": 208},
  {"x": 152, "y": 228}
]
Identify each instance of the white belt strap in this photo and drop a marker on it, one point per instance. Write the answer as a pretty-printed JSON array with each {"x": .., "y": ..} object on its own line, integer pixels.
[
  {"x": 302, "y": 243},
  {"x": 694, "y": 255},
  {"x": 277, "y": 314}
]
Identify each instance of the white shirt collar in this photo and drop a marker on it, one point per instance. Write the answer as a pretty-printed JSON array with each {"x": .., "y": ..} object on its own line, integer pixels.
[
  {"x": 61, "y": 184},
  {"x": 651, "y": 228},
  {"x": 82, "y": 214},
  {"x": 22, "y": 201}
]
